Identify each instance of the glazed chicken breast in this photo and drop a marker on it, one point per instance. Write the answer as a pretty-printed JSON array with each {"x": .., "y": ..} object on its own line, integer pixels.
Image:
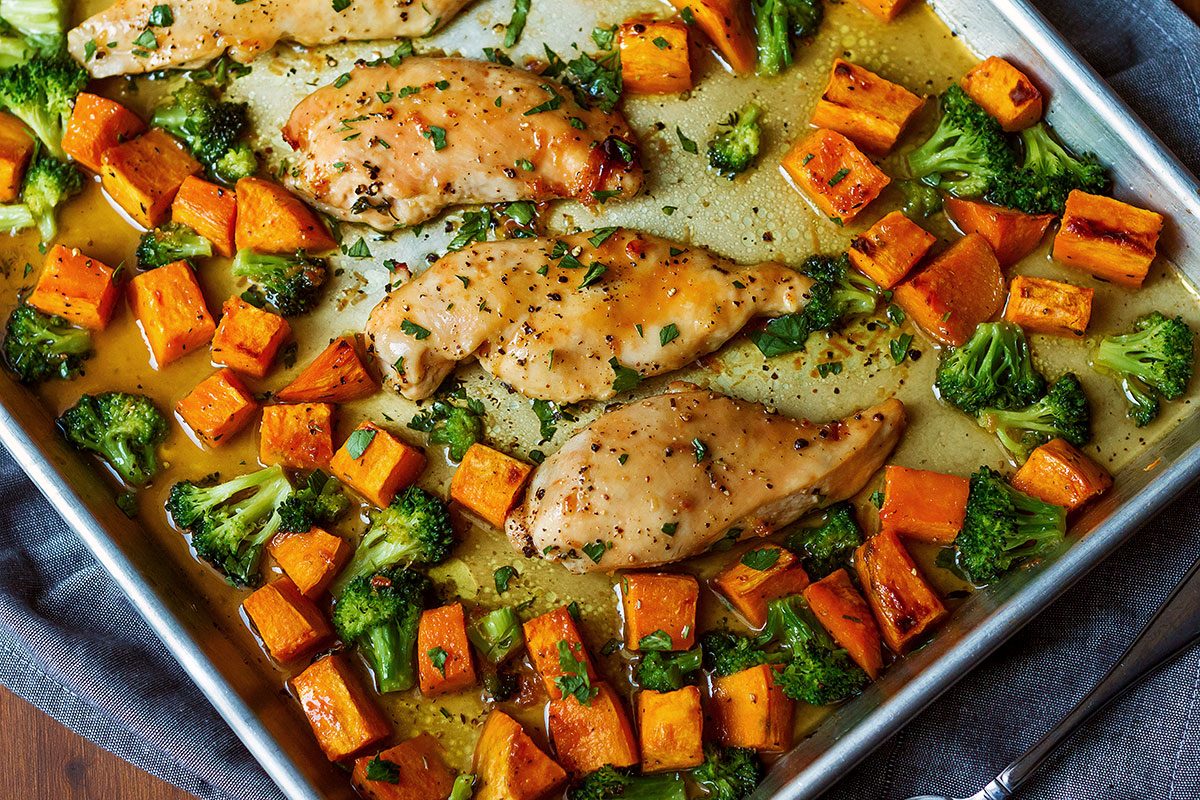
[
  {"x": 558, "y": 319},
  {"x": 204, "y": 29},
  {"x": 394, "y": 145},
  {"x": 665, "y": 478}
]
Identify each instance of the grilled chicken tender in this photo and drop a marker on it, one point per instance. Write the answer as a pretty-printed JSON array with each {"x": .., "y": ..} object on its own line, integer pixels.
[
  {"x": 665, "y": 478},
  {"x": 204, "y": 29},
  {"x": 394, "y": 145},
  {"x": 556, "y": 318}
]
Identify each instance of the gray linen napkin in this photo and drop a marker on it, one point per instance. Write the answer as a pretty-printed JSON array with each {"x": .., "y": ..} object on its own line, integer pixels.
[{"x": 72, "y": 646}]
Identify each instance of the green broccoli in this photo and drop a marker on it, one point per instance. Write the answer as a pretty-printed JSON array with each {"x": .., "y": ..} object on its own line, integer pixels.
[
  {"x": 663, "y": 672},
  {"x": 827, "y": 546},
  {"x": 48, "y": 184},
  {"x": 1153, "y": 360},
  {"x": 1048, "y": 174},
  {"x": 13, "y": 47},
  {"x": 42, "y": 22},
  {"x": 921, "y": 201},
  {"x": 967, "y": 153},
  {"x": 38, "y": 347},
  {"x": 292, "y": 284},
  {"x": 732, "y": 151},
  {"x": 172, "y": 242},
  {"x": 994, "y": 369},
  {"x": 1004, "y": 527},
  {"x": 230, "y": 522},
  {"x": 463, "y": 788},
  {"x": 608, "y": 783},
  {"x": 1062, "y": 414},
  {"x": 212, "y": 128},
  {"x": 777, "y": 23},
  {"x": 726, "y": 653},
  {"x": 124, "y": 429},
  {"x": 497, "y": 635},
  {"x": 379, "y": 613},
  {"x": 320, "y": 500},
  {"x": 728, "y": 773},
  {"x": 414, "y": 528},
  {"x": 41, "y": 93},
  {"x": 817, "y": 671},
  {"x": 452, "y": 419}
]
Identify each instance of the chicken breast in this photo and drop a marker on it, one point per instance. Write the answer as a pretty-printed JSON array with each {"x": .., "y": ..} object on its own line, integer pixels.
[
  {"x": 204, "y": 29},
  {"x": 394, "y": 145},
  {"x": 557, "y": 319},
  {"x": 666, "y": 478}
]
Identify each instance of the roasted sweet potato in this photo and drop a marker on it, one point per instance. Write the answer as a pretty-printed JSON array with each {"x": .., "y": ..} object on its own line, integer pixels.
[
  {"x": 217, "y": 408},
  {"x": 670, "y": 729},
  {"x": 844, "y": 613},
  {"x": 542, "y": 635},
  {"x": 97, "y": 124},
  {"x": 143, "y": 174},
  {"x": 958, "y": 290},
  {"x": 510, "y": 766},
  {"x": 658, "y": 603},
  {"x": 749, "y": 589},
  {"x": 16, "y": 149},
  {"x": 1012, "y": 234},
  {"x": 923, "y": 505},
  {"x": 905, "y": 605},
  {"x": 834, "y": 174},
  {"x": 287, "y": 622},
  {"x": 889, "y": 250},
  {"x": 337, "y": 375},
  {"x": 1059, "y": 473},
  {"x": 208, "y": 209},
  {"x": 1005, "y": 92},
  {"x": 1046, "y": 306},
  {"x": 297, "y": 435},
  {"x": 886, "y": 10},
  {"x": 312, "y": 558},
  {"x": 342, "y": 714},
  {"x": 421, "y": 772},
  {"x": 171, "y": 312},
  {"x": 382, "y": 468},
  {"x": 76, "y": 287},
  {"x": 749, "y": 710},
  {"x": 489, "y": 483},
  {"x": 654, "y": 56},
  {"x": 587, "y": 737},
  {"x": 444, "y": 661},
  {"x": 728, "y": 25},
  {"x": 871, "y": 111},
  {"x": 270, "y": 219},
  {"x": 248, "y": 338},
  {"x": 1113, "y": 241}
]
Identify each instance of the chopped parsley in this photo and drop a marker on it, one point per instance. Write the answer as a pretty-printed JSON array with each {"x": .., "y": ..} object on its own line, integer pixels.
[
  {"x": 379, "y": 770},
  {"x": 689, "y": 145},
  {"x": 502, "y": 576},
  {"x": 594, "y": 274},
  {"x": 574, "y": 681},
  {"x": 761, "y": 560},
  {"x": 516, "y": 25},
  {"x": 359, "y": 441},
  {"x": 900, "y": 347},
  {"x": 659, "y": 640},
  {"x": 437, "y": 657},
  {"x": 668, "y": 333},
  {"x": 624, "y": 378},
  {"x": 436, "y": 135},
  {"x": 414, "y": 330}
]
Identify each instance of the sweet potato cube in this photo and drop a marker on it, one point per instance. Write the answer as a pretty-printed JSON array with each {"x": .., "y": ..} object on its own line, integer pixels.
[
  {"x": 905, "y": 605},
  {"x": 654, "y": 56},
  {"x": 1012, "y": 234},
  {"x": 509, "y": 766},
  {"x": 923, "y": 505},
  {"x": 749, "y": 589},
  {"x": 886, "y": 10},
  {"x": 444, "y": 662},
  {"x": 287, "y": 621},
  {"x": 654, "y": 603},
  {"x": 383, "y": 467},
  {"x": 337, "y": 375},
  {"x": 1047, "y": 306},
  {"x": 728, "y": 25},
  {"x": 312, "y": 558},
  {"x": 343, "y": 716},
  {"x": 871, "y": 111},
  {"x": 670, "y": 729},
  {"x": 299, "y": 436},
  {"x": 423, "y": 774},
  {"x": 208, "y": 209},
  {"x": 217, "y": 408},
  {"x": 76, "y": 287},
  {"x": 955, "y": 292},
  {"x": 1113, "y": 241},
  {"x": 16, "y": 149},
  {"x": 587, "y": 737},
  {"x": 834, "y": 174},
  {"x": 1059, "y": 473},
  {"x": 750, "y": 710},
  {"x": 890, "y": 249},
  {"x": 171, "y": 312},
  {"x": 542, "y": 636},
  {"x": 97, "y": 124},
  {"x": 270, "y": 219},
  {"x": 1005, "y": 92},
  {"x": 489, "y": 483},
  {"x": 844, "y": 613},
  {"x": 143, "y": 174},
  {"x": 248, "y": 338}
]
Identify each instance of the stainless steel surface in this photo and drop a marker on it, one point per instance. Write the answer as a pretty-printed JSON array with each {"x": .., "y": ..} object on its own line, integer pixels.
[{"x": 1082, "y": 108}]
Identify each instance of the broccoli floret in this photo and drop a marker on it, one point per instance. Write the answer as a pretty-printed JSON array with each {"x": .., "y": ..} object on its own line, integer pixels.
[
  {"x": 497, "y": 635},
  {"x": 212, "y": 129},
  {"x": 732, "y": 151},
  {"x": 608, "y": 783},
  {"x": 124, "y": 429},
  {"x": 379, "y": 613},
  {"x": 292, "y": 284},
  {"x": 817, "y": 671},
  {"x": 320, "y": 500},
  {"x": 414, "y": 528},
  {"x": 776, "y": 23},
  {"x": 1004, "y": 527},
  {"x": 1062, "y": 414},
  {"x": 449, "y": 423},
  {"x": 172, "y": 242},
  {"x": 994, "y": 369},
  {"x": 13, "y": 47},
  {"x": 41, "y": 93},
  {"x": 38, "y": 347},
  {"x": 921, "y": 200},
  {"x": 967, "y": 152},
  {"x": 726, "y": 653},
  {"x": 828, "y": 545},
  {"x": 42, "y": 22},
  {"x": 230, "y": 522},
  {"x": 1048, "y": 174},
  {"x": 663, "y": 672},
  {"x": 48, "y": 184},
  {"x": 728, "y": 773},
  {"x": 1153, "y": 360}
]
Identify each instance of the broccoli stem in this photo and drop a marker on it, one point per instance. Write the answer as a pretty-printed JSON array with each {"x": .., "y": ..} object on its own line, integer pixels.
[
  {"x": 16, "y": 217},
  {"x": 772, "y": 28},
  {"x": 391, "y": 656}
]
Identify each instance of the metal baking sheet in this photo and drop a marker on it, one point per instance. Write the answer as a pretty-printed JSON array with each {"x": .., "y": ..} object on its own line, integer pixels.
[{"x": 1083, "y": 109}]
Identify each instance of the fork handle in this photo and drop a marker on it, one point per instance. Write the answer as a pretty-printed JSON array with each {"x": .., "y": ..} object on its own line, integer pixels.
[{"x": 1174, "y": 628}]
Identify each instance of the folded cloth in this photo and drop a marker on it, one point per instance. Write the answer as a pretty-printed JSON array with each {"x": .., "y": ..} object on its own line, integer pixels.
[{"x": 71, "y": 645}]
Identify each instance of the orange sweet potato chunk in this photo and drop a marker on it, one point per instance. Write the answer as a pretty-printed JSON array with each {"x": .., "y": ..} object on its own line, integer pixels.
[
  {"x": 16, "y": 149},
  {"x": 749, "y": 710},
  {"x": 886, "y": 10},
  {"x": 444, "y": 663},
  {"x": 270, "y": 219},
  {"x": 844, "y": 613},
  {"x": 337, "y": 375},
  {"x": 248, "y": 338},
  {"x": 542, "y": 635},
  {"x": 510, "y": 766},
  {"x": 923, "y": 505},
  {"x": 171, "y": 312},
  {"x": 870, "y": 110},
  {"x": 299, "y": 436},
  {"x": 382, "y": 468},
  {"x": 312, "y": 558},
  {"x": 889, "y": 250},
  {"x": 1059, "y": 473},
  {"x": 728, "y": 25},
  {"x": 76, "y": 287},
  {"x": 670, "y": 729},
  {"x": 587, "y": 737},
  {"x": 489, "y": 483},
  {"x": 1113, "y": 241},
  {"x": 1012, "y": 234},
  {"x": 654, "y": 56},
  {"x": 1005, "y": 92},
  {"x": 97, "y": 124},
  {"x": 953, "y": 294},
  {"x": 287, "y": 621},
  {"x": 834, "y": 174},
  {"x": 1046, "y": 306},
  {"x": 342, "y": 714},
  {"x": 208, "y": 209},
  {"x": 905, "y": 605},
  {"x": 423, "y": 774},
  {"x": 659, "y": 602},
  {"x": 143, "y": 174},
  {"x": 749, "y": 590},
  {"x": 217, "y": 408}
]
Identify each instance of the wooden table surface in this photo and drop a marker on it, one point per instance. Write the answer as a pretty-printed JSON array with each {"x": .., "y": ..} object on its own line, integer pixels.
[{"x": 42, "y": 759}]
